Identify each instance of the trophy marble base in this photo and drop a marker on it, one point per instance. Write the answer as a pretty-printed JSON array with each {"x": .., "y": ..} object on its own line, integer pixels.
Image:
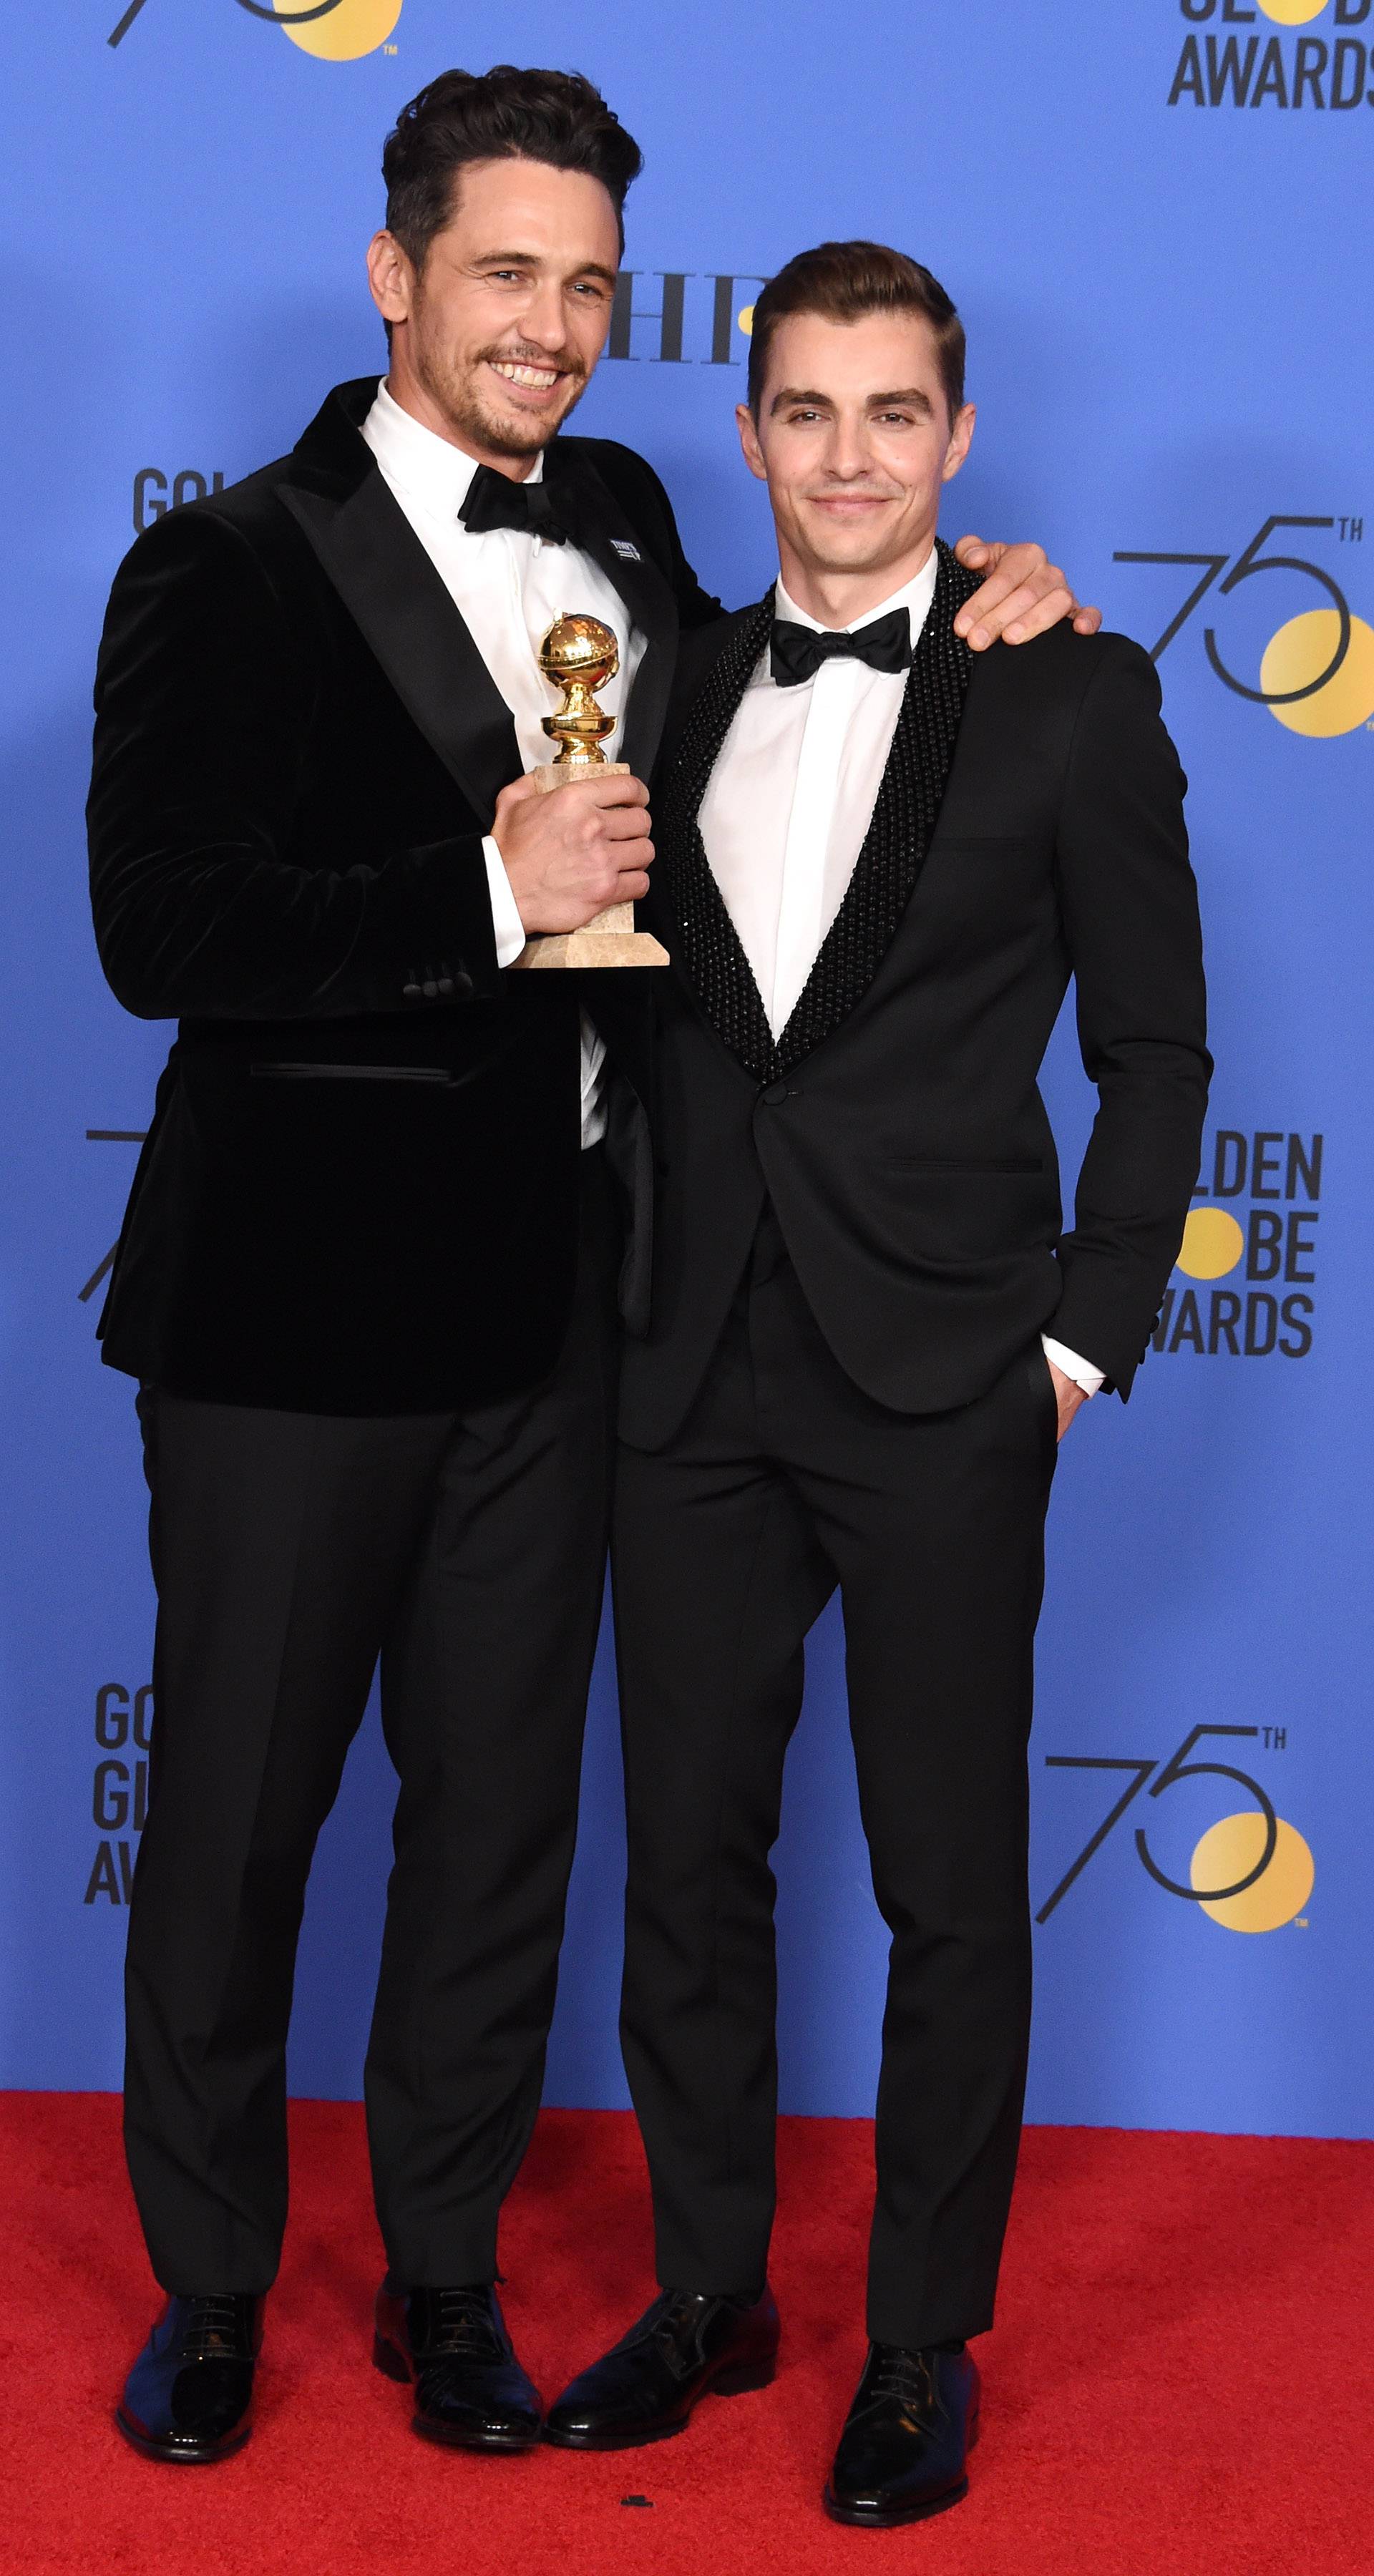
[{"x": 611, "y": 939}]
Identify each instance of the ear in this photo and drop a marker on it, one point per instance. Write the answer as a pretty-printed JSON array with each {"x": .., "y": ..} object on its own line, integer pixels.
[
  {"x": 749, "y": 441},
  {"x": 960, "y": 441},
  {"x": 390, "y": 277}
]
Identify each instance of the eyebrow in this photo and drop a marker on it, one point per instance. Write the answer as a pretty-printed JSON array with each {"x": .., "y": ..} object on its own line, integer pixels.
[
  {"x": 533, "y": 259},
  {"x": 911, "y": 395}
]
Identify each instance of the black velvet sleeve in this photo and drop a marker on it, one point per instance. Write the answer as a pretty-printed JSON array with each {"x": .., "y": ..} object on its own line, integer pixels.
[
  {"x": 209, "y": 899},
  {"x": 1130, "y": 910}
]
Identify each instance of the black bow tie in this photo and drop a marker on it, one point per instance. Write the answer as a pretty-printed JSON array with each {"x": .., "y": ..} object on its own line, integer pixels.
[
  {"x": 797, "y": 652},
  {"x": 494, "y": 501}
]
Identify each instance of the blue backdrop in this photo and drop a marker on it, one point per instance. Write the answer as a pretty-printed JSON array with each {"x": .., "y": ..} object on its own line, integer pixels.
[{"x": 1155, "y": 222}]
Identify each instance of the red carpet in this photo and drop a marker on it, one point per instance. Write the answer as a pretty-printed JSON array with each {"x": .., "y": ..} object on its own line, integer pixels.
[{"x": 1181, "y": 2379}]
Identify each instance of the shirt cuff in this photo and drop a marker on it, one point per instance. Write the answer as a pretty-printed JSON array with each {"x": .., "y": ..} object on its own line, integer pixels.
[
  {"x": 505, "y": 911},
  {"x": 1092, "y": 1380}
]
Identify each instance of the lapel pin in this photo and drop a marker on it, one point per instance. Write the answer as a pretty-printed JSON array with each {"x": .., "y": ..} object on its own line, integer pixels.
[{"x": 623, "y": 547}]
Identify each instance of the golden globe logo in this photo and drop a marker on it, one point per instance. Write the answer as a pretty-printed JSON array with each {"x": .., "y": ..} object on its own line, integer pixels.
[
  {"x": 1266, "y": 1250},
  {"x": 335, "y": 31},
  {"x": 1328, "y": 69}
]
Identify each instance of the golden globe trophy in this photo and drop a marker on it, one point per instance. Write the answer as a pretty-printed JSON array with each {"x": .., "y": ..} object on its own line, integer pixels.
[{"x": 579, "y": 655}]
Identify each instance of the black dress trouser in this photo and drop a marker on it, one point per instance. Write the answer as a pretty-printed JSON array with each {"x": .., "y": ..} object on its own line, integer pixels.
[
  {"x": 784, "y": 1482},
  {"x": 291, "y": 1551}
]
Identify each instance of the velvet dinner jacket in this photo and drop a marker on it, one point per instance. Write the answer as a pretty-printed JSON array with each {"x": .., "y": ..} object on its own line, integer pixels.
[
  {"x": 359, "y": 1192},
  {"x": 1028, "y": 828}
]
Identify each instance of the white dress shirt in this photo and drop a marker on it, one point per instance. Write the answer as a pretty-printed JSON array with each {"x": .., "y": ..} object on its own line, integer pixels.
[
  {"x": 787, "y": 811},
  {"x": 508, "y": 587}
]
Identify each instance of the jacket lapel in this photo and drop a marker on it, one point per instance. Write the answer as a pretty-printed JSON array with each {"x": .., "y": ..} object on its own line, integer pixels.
[
  {"x": 605, "y": 533},
  {"x": 899, "y": 833},
  {"x": 698, "y": 929},
  {"x": 698, "y": 932},
  {"x": 386, "y": 581}
]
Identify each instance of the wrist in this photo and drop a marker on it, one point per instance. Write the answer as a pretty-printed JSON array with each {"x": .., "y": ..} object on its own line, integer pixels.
[{"x": 506, "y": 919}]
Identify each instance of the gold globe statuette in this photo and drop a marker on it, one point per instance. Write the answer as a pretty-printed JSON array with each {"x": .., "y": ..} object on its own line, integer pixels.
[{"x": 579, "y": 655}]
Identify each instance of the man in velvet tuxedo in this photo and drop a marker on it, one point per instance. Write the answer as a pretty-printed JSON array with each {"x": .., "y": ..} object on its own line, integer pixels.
[
  {"x": 879, "y": 864},
  {"x": 391, "y": 1197}
]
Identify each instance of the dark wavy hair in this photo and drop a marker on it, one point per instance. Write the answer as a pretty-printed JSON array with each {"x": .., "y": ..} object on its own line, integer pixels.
[
  {"x": 845, "y": 281},
  {"x": 501, "y": 115}
]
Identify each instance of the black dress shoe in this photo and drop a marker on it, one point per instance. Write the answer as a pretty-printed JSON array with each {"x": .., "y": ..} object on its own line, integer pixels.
[
  {"x": 189, "y": 2395},
  {"x": 645, "y": 2387},
  {"x": 904, "y": 2447},
  {"x": 470, "y": 2390}
]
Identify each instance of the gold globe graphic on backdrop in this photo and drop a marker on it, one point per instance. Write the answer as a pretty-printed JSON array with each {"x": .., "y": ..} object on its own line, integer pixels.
[
  {"x": 342, "y": 34},
  {"x": 1212, "y": 1244},
  {"x": 1228, "y": 1851},
  {"x": 1300, "y": 652},
  {"x": 1292, "y": 13}
]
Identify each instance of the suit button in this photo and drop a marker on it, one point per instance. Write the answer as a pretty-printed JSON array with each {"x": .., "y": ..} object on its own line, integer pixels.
[
  {"x": 462, "y": 981},
  {"x": 774, "y": 1092},
  {"x": 445, "y": 985},
  {"x": 430, "y": 990},
  {"x": 410, "y": 992}
]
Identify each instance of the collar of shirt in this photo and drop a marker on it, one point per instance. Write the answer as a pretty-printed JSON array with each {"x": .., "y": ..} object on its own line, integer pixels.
[
  {"x": 915, "y": 595},
  {"x": 434, "y": 472}
]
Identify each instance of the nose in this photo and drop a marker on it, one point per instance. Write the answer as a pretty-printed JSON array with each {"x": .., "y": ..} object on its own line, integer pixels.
[
  {"x": 541, "y": 319},
  {"x": 847, "y": 458}
]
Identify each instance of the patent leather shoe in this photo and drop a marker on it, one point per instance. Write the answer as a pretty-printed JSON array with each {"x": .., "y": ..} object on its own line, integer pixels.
[
  {"x": 452, "y": 2346},
  {"x": 646, "y": 2386},
  {"x": 905, "y": 2445},
  {"x": 189, "y": 2395}
]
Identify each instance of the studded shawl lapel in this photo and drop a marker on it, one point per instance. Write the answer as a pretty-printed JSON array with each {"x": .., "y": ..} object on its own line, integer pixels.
[{"x": 705, "y": 945}]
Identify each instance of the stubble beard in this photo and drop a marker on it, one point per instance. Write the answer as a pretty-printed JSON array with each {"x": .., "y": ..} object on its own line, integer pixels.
[{"x": 456, "y": 392}]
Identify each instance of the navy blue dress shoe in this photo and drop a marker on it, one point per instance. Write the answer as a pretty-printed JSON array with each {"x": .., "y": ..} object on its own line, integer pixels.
[
  {"x": 189, "y": 2395},
  {"x": 646, "y": 2386},
  {"x": 452, "y": 2346},
  {"x": 904, "y": 2449}
]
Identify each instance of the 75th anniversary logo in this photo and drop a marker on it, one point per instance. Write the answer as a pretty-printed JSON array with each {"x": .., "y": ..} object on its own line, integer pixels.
[
  {"x": 336, "y": 31},
  {"x": 1316, "y": 673}
]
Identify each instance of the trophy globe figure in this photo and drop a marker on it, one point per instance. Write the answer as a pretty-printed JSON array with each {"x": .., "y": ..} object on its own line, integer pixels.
[{"x": 578, "y": 656}]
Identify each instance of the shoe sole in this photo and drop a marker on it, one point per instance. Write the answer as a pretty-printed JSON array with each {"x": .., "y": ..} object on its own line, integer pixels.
[
  {"x": 183, "y": 2456},
  {"x": 872, "y": 2520},
  {"x": 393, "y": 2365},
  {"x": 511, "y": 2444},
  {"x": 730, "y": 2383}
]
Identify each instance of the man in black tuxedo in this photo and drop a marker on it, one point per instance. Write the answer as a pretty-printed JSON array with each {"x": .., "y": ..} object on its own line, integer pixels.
[
  {"x": 879, "y": 863},
  {"x": 370, "y": 1268}
]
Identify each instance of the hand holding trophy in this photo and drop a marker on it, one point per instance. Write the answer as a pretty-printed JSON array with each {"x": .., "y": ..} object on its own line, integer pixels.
[{"x": 579, "y": 655}]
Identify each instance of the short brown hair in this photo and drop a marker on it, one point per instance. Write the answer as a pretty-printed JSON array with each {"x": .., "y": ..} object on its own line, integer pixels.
[
  {"x": 846, "y": 280},
  {"x": 501, "y": 115}
]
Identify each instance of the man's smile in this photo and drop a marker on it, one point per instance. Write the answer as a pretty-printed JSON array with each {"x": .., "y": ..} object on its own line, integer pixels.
[{"x": 526, "y": 379}]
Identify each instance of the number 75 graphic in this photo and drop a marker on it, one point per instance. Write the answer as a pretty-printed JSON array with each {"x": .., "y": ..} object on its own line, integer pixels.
[
  {"x": 1178, "y": 1767},
  {"x": 1245, "y": 568}
]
